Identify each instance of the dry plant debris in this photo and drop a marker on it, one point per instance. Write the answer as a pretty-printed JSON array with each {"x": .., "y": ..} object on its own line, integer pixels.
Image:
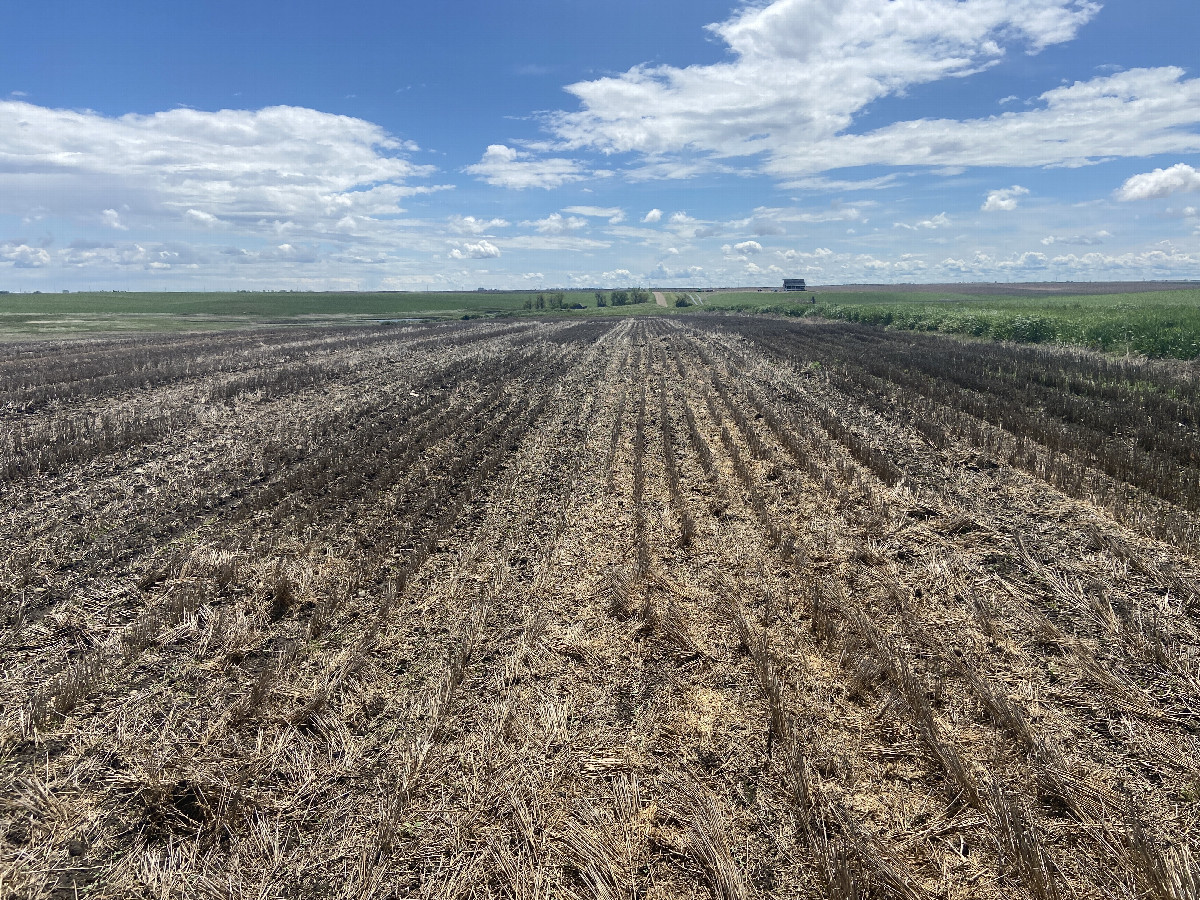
[{"x": 700, "y": 607}]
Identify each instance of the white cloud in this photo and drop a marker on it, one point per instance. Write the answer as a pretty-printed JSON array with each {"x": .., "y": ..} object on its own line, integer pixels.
[
  {"x": 1142, "y": 112},
  {"x": 247, "y": 168},
  {"x": 801, "y": 70},
  {"x": 614, "y": 214},
  {"x": 790, "y": 255},
  {"x": 1137, "y": 263},
  {"x": 741, "y": 251},
  {"x": 112, "y": 219},
  {"x": 480, "y": 250},
  {"x": 1180, "y": 178},
  {"x": 664, "y": 273},
  {"x": 773, "y": 220},
  {"x": 941, "y": 220},
  {"x": 653, "y": 216},
  {"x": 556, "y": 223},
  {"x": 507, "y": 167},
  {"x": 22, "y": 256},
  {"x": 472, "y": 225},
  {"x": 199, "y": 217},
  {"x": 1078, "y": 240},
  {"x": 1004, "y": 199},
  {"x": 623, "y": 276},
  {"x": 683, "y": 226}
]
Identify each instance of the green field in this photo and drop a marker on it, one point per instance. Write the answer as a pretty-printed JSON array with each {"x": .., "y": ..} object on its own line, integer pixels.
[
  {"x": 115, "y": 311},
  {"x": 1160, "y": 323}
]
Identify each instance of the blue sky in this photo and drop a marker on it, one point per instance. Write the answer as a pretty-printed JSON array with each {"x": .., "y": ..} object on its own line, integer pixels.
[{"x": 561, "y": 143}]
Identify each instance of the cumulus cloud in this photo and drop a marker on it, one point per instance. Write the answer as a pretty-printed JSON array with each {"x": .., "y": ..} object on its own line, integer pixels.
[
  {"x": 112, "y": 219},
  {"x": 941, "y": 220},
  {"x": 653, "y": 216},
  {"x": 517, "y": 169},
  {"x": 790, "y": 255},
  {"x": 742, "y": 250},
  {"x": 480, "y": 250},
  {"x": 1141, "y": 112},
  {"x": 1137, "y": 113},
  {"x": 472, "y": 225},
  {"x": 22, "y": 256},
  {"x": 556, "y": 223},
  {"x": 1180, "y": 178},
  {"x": 1004, "y": 200},
  {"x": 248, "y": 168},
  {"x": 800, "y": 72}
]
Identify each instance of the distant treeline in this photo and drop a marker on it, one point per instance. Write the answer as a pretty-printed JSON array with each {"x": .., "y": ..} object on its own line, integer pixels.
[{"x": 557, "y": 299}]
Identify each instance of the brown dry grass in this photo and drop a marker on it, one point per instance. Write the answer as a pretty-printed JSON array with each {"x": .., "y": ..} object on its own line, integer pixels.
[{"x": 648, "y": 610}]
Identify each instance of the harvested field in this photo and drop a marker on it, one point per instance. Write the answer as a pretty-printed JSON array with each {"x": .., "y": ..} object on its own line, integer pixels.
[{"x": 678, "y": 607}]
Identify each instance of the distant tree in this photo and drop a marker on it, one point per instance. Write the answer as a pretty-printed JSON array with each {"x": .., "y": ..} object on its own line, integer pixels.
[
  {"x": 600, "y": 301},
  {"x": 681, "y": 300},
  {"x": 528, "y": 303},
  {"x": 637, "y": 295},
  {"x": 540, "y": 303},
  {"x": 619, "y": 298},
  {"x": 558, "y": 298}
]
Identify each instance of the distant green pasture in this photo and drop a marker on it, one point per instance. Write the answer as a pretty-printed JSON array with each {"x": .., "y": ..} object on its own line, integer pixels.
[
  {"x": 49, "y": 314},
  {"x": 1161, "y": 323}
]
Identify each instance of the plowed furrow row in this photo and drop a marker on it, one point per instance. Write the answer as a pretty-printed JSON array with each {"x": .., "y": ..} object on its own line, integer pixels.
[{"x": 643, "y": 607}]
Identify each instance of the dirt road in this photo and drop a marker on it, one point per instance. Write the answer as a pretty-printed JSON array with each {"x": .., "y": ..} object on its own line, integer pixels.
[{"x": 660, "y": 298}]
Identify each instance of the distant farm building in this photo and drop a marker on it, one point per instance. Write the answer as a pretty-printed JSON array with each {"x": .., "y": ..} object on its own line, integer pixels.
[{"x": 794, "y": 284}]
